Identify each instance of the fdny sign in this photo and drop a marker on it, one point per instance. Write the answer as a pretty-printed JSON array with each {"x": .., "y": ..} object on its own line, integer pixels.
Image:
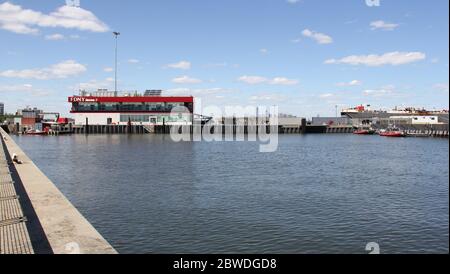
[{"x": 82, "y": 100}]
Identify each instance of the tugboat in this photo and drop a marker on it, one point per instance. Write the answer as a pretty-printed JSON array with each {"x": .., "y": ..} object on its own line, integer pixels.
[
  {"x": 392, "y": 132},
  {"x": 362, "y": 131}
]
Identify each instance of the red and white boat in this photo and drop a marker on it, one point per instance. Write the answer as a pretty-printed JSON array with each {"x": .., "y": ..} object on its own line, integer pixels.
[
  {"x": 364, "y": 132},
  {"x": 392, "y": 134},
  {"x": 35, "y": 132},
  {"x": 396, "y": 133}
]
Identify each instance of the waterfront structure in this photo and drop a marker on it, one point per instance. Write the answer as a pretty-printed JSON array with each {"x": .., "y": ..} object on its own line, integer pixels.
[
  {"x": 30, "y": 120},
  {"x": 366, "y": 112},
  {"x": 108, "y": 108},
  {"x": 30, "y": 117},
  {"x": 29, "y": 223},
  {"x": 419, "y": 120},
  {"x": 409, "y": 118},
  {"x": 320, "y": 121}
]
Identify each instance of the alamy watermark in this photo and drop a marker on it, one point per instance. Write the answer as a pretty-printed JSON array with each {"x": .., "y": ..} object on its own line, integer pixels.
[
  {"x": 73, "y": 3},
  {"x": 230, "y": 124},
  {"x": 373, "y": 3},
  {"x": 373, "y": 248},
  {"x": 72, "y": 248}
]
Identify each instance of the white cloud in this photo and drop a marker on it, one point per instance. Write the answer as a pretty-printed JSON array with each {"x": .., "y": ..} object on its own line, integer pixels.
[
  {"x": 198, "y": 92},
  {"x": 18, "y": 28},
  {"x": 264, "y": 51},
  {"x": 208, "y": 95},
  {"x": 59, "y": 37},
  {"x": 320, "y": 38},
  {"x": 16, "y": 88},
  {"x": 349, "y": 84},
  {"x": 133, "y": 61},
  {"x": 283, "y": 81},
  {"x": 254, "y": 80},
  {"x": 184, "y": 65},
  {"x": 441, "y": 86},
  {"x": 216, "y": 65},
  {"x": 293, "y": 1},
  {"x": 387, "y": 90},
  {"x": 186, "y": 80},
  {"x": 26, "y": 21},
  {"x": 377, "y": 92},
  {"x": 24, "y": 88},
  {"x": 392, "y": 58},
  {"x": 383, "y": 25},
  {"x": 108, "y": 69},
  {"x": 272, "y": 97},
  {"x": 94, "y": 85},
  {"x": 61, "y": 70},
  {"x": 54, "y": 37},
  {"x": 326, "y": 95}
]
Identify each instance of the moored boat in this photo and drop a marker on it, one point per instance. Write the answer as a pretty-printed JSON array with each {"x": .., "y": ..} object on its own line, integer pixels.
[
  {"x": 35, "y": 133},
  {"x": 392, "y": 132},
  {"x": 364, "y": 132}
]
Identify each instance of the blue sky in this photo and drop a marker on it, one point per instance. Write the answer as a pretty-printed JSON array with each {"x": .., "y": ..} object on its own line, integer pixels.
[{"x": 305, "y": 56}]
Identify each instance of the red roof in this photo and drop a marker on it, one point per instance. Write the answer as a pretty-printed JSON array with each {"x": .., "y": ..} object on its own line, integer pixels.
[{"x": 156, "y": 99}]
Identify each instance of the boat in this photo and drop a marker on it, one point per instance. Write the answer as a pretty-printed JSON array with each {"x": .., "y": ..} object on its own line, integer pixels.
[
  {"x": 35, "y": 132},
  {"x": 366, "y": 112},
  {"x": 392, "y": 132},
  {"x": 364, "y": 132}
]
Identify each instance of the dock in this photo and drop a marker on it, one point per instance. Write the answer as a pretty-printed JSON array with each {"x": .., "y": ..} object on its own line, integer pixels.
[
  {"x": 35, "y": 217},
  {"x": 14, "y": 236}
]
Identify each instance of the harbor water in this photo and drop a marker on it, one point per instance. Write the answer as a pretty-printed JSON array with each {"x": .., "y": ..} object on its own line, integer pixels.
[{"x": 316, "y": 194}]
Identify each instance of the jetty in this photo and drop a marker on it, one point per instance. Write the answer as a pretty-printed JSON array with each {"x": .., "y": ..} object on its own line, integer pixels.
[{"x": 35, "y": 217}]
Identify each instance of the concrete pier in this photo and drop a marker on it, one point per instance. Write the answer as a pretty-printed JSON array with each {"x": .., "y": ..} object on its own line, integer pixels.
[
  {"x": 14, "y": 236},
  {"x": 340, "y": 129},
  {"x": 35, "y": 217}
]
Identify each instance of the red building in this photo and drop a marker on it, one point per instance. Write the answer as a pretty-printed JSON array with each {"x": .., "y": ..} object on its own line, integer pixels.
[
  {"x": 106, "y": 108},
  {"x": 30, "y": 117}
]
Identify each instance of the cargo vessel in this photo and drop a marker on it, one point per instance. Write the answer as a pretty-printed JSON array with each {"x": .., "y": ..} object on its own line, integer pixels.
[{"x": 366, "y": 112}]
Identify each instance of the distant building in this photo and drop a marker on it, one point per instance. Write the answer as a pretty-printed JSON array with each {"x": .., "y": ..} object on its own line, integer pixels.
[
  {"x": 30, "y": 117},
  {"x": 50, "y": 117},
  {"x": 106, "y": 108},
  {"x": 417, "y": 120},
  {"x": 321, "y": 121},
  {"x": 2, "y": 108}
]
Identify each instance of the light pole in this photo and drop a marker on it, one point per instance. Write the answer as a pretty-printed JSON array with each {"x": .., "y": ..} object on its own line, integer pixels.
[{"x": 116, "y": 35}]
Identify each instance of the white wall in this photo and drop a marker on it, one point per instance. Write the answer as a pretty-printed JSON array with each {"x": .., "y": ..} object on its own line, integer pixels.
[
  {"x": 425, "y": 120},
  {"x": 420, "y": 120},
  {"x": 96, "y": 118},
  {"x": 102, "y": 119}
]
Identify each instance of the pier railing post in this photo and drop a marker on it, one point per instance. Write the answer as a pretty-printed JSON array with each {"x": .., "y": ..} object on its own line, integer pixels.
[{"x": 86, "y": 129}]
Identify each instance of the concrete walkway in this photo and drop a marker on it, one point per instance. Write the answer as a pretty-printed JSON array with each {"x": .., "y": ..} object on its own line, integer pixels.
[
  {"x": 35, "y": 217},
  {"x": 14, "y": 237}
]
